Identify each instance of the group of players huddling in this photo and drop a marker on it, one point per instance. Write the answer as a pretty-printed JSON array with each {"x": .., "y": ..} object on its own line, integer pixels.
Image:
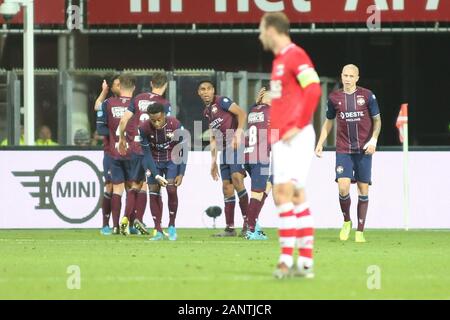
[{"x": 144, "y": 150}]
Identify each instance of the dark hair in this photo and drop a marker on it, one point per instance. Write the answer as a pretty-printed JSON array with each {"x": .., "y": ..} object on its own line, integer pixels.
[
  {"x": 159, "y": 79},
  {"x": 127, "y": 81},
  {"x": 205, "y": 81},
  {"x": 277, "y": 20},
  {"x": 155, "y": 108},
  {"x": 114, "y": 77}
]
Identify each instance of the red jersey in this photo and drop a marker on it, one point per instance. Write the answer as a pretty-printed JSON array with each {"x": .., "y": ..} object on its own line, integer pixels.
[{"x": 289, "y": 66}]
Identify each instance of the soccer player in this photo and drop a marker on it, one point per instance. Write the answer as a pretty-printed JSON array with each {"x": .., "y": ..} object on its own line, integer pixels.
[
  {"x": 160, "y": 136},
  {"x": 122, "y": 166},
  {"x": 295, "y": 93},
  {"x": 358, "y": 127},
  {"x": 226, "y": 122},
  {"x": 257, "y": 161},
  {"x": 106, "y": 202},
  {"x": 137, "y": 114}
]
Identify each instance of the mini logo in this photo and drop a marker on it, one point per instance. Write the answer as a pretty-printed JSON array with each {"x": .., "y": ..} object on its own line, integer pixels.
[
  {"x": 361, "y": 101},
  {"x": 340, "y": 169},
  {"x": 214, "y": 109},
  {"x": 61, "y": 188},
  {"x": 170, "y": 135},
  {"x": 148, "y": 173},
  {"x": 342, "y": 115}
]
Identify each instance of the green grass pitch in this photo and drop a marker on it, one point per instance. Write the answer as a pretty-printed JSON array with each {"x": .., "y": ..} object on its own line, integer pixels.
[{"x": 34, "y": 265}]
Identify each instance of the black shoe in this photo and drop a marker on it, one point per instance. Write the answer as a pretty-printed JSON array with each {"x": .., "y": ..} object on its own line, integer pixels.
[
  {"x": 228, "y": 232},
  {"x": 140, "y": 226}
]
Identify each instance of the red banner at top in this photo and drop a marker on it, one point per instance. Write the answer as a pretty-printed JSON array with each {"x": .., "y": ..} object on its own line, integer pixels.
[
  {"x": 46, "y": 12},
  {"x": 102, "y": 12}
]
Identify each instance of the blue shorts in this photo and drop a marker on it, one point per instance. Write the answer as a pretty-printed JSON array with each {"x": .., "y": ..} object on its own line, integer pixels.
[
  {"x": 260, "y": 175},
  {"x": 130, "y": 170},
  {"x": 356, "y": 166},
  {"x": 166, "y": 169},
  {"x": 231, "y": 164},
  {"x": 107, "y": 167},
  {"x": 137, "y": 168}
]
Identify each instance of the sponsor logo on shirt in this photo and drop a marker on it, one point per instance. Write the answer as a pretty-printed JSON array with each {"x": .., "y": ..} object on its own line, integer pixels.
[
  {"x": 255, "y": 117},
  {"x": 216, "y": 123},
  {"x": 351, "y": 116},
  {"x": 143, "y": 105},
  {"x": 118, "y": 112}
]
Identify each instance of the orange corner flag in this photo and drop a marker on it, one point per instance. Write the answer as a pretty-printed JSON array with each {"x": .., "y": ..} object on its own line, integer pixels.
[{"x": 402, "y": 119}]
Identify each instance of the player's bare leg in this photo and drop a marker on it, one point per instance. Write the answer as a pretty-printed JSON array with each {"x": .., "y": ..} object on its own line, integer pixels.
[
  {"x": 237, "y": 179},
  {"x": 141, "y": 204},
  {"x": 116, "y": 205},
  {"x": 172, "y": 199},
  {"x": 230, "y": 203},
  {"x": 363, "y": 204},
  {"x": 156, "y": 209},
  {"x": 283, "y": 194},
  {"x": 106, "y": 208},
  {"x": 345, "y": 202},
  {"x": 304, "y": 235}
]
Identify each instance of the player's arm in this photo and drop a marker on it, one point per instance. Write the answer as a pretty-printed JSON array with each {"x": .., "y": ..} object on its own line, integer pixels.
[
  {"x": 374, "y": 110},
  {"x": 122, "y": 126},
  {"x": 213, "y": 146},
  {"x": 102, "y": 121},
  {"x": 326, "y": 127},
  {"x": 183, "y": 155},
  {"x": 242, "y": 120},
  {"x": 102, "y": 97},
  {"x": 148, "y": 163}
]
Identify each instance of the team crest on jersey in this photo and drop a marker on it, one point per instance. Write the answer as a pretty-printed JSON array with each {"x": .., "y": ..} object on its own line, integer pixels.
[
  {"x": 214, "y": 109},
  {"x": 361, "y": 101},
  {"x": 148, "y": 173},
  {"x": 279, "y": 70},
  {"x": 340, "y": 169},
  {"x": 170, "y": 135}
]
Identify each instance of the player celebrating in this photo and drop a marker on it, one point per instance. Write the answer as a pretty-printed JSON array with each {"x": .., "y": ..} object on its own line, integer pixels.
[
  {"x": 226, "y": 122},
  {"x": 257, "y": 161},
  {"x": 295, "y": 91},
  {"x": 137, "y": 112},
  {"x": 106, "y": 202},
  {"x": 158, "y": 136},
  {"x": 358, "y": 127}
]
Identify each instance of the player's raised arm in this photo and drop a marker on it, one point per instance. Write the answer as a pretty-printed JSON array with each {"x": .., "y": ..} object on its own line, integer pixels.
[
  {"x": 242, "y": 119},
  {"x": 102, "y": 121},
  {"x": 102, "y": 97}
]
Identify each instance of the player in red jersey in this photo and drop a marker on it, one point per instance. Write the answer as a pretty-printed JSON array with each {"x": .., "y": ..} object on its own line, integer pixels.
[
  {"x": 106, "y": 202},
  {"x": 358, "y": 127},
  {"x": 295, "y": 92},
  {"x": 137, "y": 115}
]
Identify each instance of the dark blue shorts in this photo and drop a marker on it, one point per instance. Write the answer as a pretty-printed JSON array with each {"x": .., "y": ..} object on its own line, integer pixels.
[
  {"x": 166, "y": 169},
  {"x": 357, "y": 167},
  {"x": 137, "y": 168},
  {"x": 260, "y": 175},
  {"x": 231, "y": 164},
  {"x": 130, "y": 170},
  {"x": 107, "y": 167}
]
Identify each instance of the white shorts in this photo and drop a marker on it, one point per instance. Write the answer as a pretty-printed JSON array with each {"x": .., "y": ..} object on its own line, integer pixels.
[{"x": 291, "y": 161}]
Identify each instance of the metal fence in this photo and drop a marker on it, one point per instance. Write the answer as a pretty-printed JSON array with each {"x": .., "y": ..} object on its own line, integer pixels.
[{"x": 64, "y": 100}]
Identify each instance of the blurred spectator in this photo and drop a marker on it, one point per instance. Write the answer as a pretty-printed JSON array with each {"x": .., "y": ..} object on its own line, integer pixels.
[
  {"x": 97, "y": 141},
  {"x": 21, "y": 141},
  {"x": 45, "y": 137},
  {"x": 82, "y": 138}
]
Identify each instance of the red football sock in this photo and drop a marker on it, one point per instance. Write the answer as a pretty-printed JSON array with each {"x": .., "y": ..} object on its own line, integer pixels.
[
  {"x": 116, "y": 206},
  {"x": 230, "y": 203},
  {"x": 106, "y": 208},
  {"x": 156, "y": 209},
  {"x": 141, "y": 204},
  {"x": 173, "y": 204}
]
